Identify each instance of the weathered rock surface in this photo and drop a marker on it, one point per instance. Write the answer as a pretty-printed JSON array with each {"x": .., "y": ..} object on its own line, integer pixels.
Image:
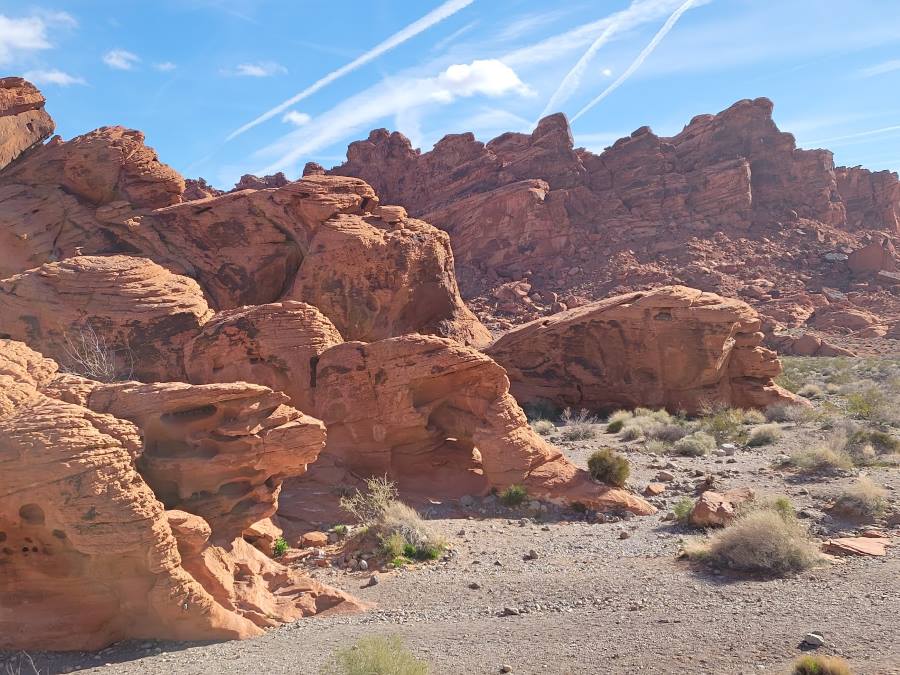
[
  {"x": 715, "y": 509},
  {"x": 674, "y": 347},
  {"x": 730, "y": 205},
  {"x": 23, "y": 120},
  {"x": 276, "y": 345},
  {"x": 127, "y": 312},
  {"x": 88, "y": 553},
  {"x": 437, "y": 418}
]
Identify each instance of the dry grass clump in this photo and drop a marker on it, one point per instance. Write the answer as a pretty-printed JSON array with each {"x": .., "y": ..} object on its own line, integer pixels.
[
  {"x": 754, "y": 416},
  {"x": 722, "y": 423},
  {"x": 398, "y": 526},
  {"x": 543, "y": 427},
  {"x": 764, "y": 435},
  {"x": 830, "y": 456},
  {"x": 608, "y": 466},
  {"x": 514, "y": 495},
  {"x": 645, "y": 423},
  {"x": 696, "y": 444},
  {"x": 763, "y": 539},
  {"x": 617, "y": 420},
  {"x": 815, "y": 664},
  {"x": 789, "y": 412},
  {"x": 578, "y": 426},
  {"x": 88, "y": 354},
  {"x": 657, "y": 447},
  {"x": 864, "y": 500},
  {"x": 810, "y": 390},
  {"x": 376, "y": 656}
]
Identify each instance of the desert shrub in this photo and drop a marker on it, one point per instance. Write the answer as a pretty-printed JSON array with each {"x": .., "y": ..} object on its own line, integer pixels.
[
  {"x": 788, "y": 412},
  {"x": 762, "y": 541},
  {"x": 369, "y": 506},
  {"x": 88, "y": 354},
  {"x": 764, "y": 435},
  {"x": 340, "y": 530},
  {"x": 682, "y": 509},
  {"x": 832, "y": 388},
  {"x": 543, "y": 427},
  {"x": 615, "y": 426},
  {"x": 696, "y": 444},
  {"x": 631, "y": 433},
  {"x": 279, "y": 547},
  {"x": 608, "y": 466},
  {"x": 810, "y": 391},
  {"x": 881, "y": 441},
  {"x": 753, "y": 416},
  {"x": 666, "y": 431},
  {"x": 722, "y": 423},
  {"x": 619, "y": 416},
  {"x": 816, "y": 664},
  {"x": 864, "y": 499},
  {"x": 376, "y": 655},
  {"x": 819, "y": 458},
  {"x": 514, "y": 495},
  {"x": 397, "y": 525},
  {"x": 657, "y": 447},
  {"x": 874, "y": 402},
  {"x": 578, "y": 426}
]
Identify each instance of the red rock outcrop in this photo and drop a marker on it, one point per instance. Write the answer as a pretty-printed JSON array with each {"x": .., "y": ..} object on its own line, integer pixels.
[
  {"x": 725, "y": 203},
  {"x": 89, "y": 554},
  {"x": 23, "y": 120},
  {"x": 674, "y": 347},
  {"x": 276, "y": 345},
  {"x": 127, "y": 311},
  {"x": 437, "y": 418},
  {"x": 714, "y": 509}
]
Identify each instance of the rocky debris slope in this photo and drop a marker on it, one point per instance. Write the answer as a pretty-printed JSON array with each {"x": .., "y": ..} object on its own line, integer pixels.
[
  {"x": 89, "y": 553},
  {"x": 324, "y": 240},
  {"x": 730, "y": 205},
  {"x": 674, "y": 348}
]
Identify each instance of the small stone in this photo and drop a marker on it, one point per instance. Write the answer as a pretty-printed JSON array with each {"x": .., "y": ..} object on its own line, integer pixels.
[
  {"x": 624, "y": 534},
  {"x": 474, "y": 585},
  {"x": 814, "y": 639},
  {"x": 531, "y": 555},
  {"x": 467, "y": 501},
  {"x": 510, "y": 611},
  {"x": 665, "y": 476},
  {"x": 729, "y": 448},
  {"x": 363, "y": 565},
  {"x": 373, "y": 580},
  {"x": 506, "y": 668}
]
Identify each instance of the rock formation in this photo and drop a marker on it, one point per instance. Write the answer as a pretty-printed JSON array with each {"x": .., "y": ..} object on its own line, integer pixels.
[
  {"x": 23, "y": 120},
  {"x": 129, "y": 314},
  {"x": 730, "y": 205},
  {"x": 674, "y": 347},
  {"x": 90, "y": 555},
  {"x": 323, "y": 240}
]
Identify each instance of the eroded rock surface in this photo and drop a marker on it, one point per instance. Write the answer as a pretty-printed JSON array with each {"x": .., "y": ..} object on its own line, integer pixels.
[
  {"x": 674, "y": 347},
  {"x": 23, "y": 120},
  {"x": 88, "y": 553}
]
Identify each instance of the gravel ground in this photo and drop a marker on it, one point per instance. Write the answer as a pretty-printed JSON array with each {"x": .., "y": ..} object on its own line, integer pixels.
[{"x": 600, "y": 597}]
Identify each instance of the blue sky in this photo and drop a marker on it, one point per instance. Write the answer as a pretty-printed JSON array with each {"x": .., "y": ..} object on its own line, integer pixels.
[{"x": 207, "y": 80}]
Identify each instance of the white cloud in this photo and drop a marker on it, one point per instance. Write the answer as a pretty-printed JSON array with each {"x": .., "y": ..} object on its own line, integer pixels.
[
  {"x": 57, "y": 17},
  {"x": 645, "y": 52},
  {"x": 606, "y": 72},
  {"x": 120, "y": 59},
  {"x": 165, "y": 66},
  {"x": 881, "y": 68},
  {"x": 19, "y": 36},
  {"x": 298, "y": 119},
  {"x": 447, "y": 9},
  {"x": 397, "y": 97},
  {"x": 52, "y": 76},
  {"x": 259, "y": 69}
]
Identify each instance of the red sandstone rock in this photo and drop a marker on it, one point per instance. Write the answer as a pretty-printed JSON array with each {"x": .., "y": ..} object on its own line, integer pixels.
[
  {"x": 436, "y": 417},
  {"x": 89, "y": 554},
  {"x": 675, "y": 347},
  {"x": 198, "y": 189},
  {"x": 23, "y": 120},
  {"x": 714, "y": 509},
  {"x": 130, "y": 312},
  {"x": 251, "y": 182},
  {"x": 857, "y": 546}
]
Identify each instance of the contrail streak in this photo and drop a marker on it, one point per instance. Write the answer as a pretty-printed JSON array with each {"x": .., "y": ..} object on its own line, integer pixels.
[
  {"x": 434, "y": 17},
  {"x": 861, "y": 134},
  {"x": 667, "y": 26}
]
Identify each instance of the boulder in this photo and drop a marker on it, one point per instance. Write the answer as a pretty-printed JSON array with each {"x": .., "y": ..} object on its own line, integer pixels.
[
  {"x": 109, "y": 318},
  {"x": 437, "y": 418},
  {"x": 871, "y": 546},
  {"x": 714, "y": 509},
  {"x": 674, "y": 347},
  {"x": 89, "y": 554},
  {"x": 23, "y": 121}
]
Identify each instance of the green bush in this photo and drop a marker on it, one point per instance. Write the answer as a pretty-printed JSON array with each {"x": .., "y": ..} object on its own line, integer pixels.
[
  {"x": 615, "y": 426},
  {"x": 280, "y": 547},
  {"x": 340, "y": 530},
  {"x": 682, "y": 509},
  {"x": 543, "y": 427},
  {"x": 696, "y": 444},
  {"x": 753, "y": 417},
  {"x": 514, "y": 495},
  {"x": 376, "y": 656},
  {"x": 722, "y": 423},
  {"x": 608, "y": 466}
]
